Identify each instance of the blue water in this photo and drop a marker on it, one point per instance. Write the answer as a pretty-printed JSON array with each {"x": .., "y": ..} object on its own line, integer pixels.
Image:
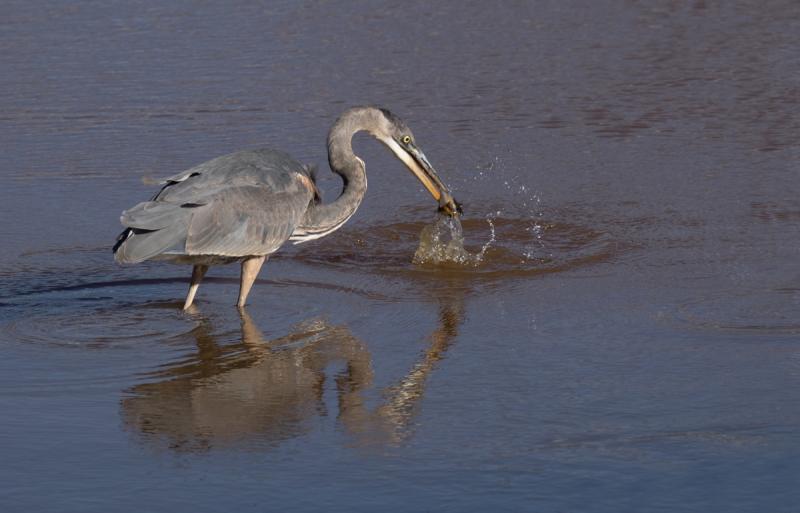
[{"x": 630, "y": 341}]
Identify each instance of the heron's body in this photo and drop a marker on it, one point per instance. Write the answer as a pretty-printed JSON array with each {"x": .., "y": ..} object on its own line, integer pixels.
[{"x": 246, "y": 205}]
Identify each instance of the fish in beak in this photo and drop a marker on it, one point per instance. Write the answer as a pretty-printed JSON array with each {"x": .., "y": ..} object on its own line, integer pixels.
[{"x": 420, "y": 166}]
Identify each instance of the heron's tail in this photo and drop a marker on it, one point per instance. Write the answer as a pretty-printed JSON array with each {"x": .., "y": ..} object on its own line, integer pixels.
[
  {"x": 122, "y": 237},
  {"x": 151, "y": 229}
]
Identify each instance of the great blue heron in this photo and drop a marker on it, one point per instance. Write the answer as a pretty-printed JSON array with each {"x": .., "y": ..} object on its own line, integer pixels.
[{"x": 244, "y": 206}]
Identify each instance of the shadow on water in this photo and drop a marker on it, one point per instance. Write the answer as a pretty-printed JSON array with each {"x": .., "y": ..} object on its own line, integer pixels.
[
  {"x": 245, "y": 388},
  {"x": 259, "y": 392}
]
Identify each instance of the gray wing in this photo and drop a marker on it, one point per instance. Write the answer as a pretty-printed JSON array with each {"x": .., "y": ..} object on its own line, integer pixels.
[
  {"x": 246, "y": 203},
  {"x": 247, "y": 220}
]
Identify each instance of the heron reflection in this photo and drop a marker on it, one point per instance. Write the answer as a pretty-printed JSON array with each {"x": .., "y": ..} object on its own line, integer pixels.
[{"x": 261, "y": 392}]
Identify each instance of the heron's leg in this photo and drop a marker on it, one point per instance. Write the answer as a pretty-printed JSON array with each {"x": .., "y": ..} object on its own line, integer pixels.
[
  {"x": 198, "y": 272},
  {"x": 250, "y": 268}
]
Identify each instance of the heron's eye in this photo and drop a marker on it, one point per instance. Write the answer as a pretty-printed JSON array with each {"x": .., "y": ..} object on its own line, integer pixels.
[{"x": 406, "y": 139}]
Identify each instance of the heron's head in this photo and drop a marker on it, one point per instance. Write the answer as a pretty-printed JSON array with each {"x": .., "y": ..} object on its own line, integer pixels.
[{"x": 396, "y": 135}]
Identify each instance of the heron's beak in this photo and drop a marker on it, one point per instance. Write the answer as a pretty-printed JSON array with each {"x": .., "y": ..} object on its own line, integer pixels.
[{"x": 418, "y": 163}]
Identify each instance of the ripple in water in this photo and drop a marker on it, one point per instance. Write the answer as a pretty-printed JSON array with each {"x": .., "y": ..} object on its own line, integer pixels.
[
  {"x": 121, "y": 327},
  {"x": 746, "y": 311},
  {"x": 507, "y": 247}
]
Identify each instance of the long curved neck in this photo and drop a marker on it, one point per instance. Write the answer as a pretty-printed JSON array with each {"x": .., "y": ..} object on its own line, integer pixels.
[{"x": 324, "y": 218}]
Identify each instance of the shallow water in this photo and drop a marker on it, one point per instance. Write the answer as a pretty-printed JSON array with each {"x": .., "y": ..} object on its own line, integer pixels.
[{"x": 627, "y": 339}]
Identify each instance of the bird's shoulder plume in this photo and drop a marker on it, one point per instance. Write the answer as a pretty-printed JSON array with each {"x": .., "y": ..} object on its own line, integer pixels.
[{"x": 311, "y": 171}]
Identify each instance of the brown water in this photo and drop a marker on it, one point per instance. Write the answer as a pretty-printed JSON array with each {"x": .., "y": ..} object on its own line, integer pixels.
[{"x": 619, "y": 332}]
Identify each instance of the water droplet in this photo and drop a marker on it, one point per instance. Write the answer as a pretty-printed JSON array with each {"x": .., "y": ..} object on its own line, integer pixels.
[{"x": 443, "y": 243}]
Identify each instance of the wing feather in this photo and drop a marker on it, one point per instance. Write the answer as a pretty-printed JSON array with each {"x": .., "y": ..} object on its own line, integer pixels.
[
  {"x": 246, "y": 203},
  {"x": 246, "y": 220},
  {"x": 152, "y": 215}
]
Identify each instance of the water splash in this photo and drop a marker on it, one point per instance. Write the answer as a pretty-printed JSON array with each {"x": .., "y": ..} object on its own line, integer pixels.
[
  {"x": 523, "y": 202},
  {"x": 442, "y": 243}
]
